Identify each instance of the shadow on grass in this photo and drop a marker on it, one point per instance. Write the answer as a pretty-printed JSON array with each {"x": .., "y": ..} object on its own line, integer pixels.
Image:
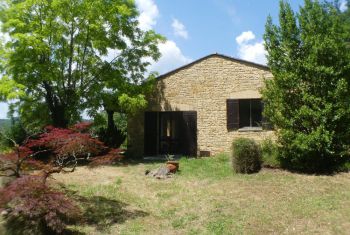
[
  {"x": 99, "y": 212},
  {"x": 156, "y": 159},
  {"x": 102, "y": 213},
  {"x": 149, "y": 160},
  {"x": 96, "y": 211},
  {"x": 161, "y": 159}
]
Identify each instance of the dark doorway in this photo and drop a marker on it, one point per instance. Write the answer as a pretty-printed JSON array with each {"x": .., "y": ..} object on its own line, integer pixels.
[
  {"x": 171, "y": 133},
  {"x": 170, "y": 140}
]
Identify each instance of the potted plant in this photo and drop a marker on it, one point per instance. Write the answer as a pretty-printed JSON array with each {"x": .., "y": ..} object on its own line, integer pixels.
[{"x": 171, "y": 164}]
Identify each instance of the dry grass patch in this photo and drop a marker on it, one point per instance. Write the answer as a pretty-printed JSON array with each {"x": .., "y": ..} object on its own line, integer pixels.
[{"x": 207, "y": 198}]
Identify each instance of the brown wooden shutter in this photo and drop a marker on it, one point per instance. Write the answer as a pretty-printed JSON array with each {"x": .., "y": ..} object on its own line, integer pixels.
[
  {"x": 232, "y": 108},
  {"x": 151, "y": 133},
  {"x": 266, "y": 125},
  {"x": 190, "y": 122}
]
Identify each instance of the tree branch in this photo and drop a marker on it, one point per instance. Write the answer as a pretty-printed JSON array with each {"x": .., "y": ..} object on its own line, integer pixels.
[{"x": 71, "y": 54}]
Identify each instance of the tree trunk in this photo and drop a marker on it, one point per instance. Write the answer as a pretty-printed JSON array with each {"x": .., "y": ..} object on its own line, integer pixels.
[
  {"x": 110, "y": 121},
  {"x": 112, "y": 136},
  {"x": 58, "y": 116},
  {"x": 56, "y": 108}
]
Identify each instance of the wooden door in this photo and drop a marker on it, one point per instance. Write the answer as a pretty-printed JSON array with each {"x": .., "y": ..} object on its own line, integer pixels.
[
  {"x": 170, "y": 126},
  {"x": 151, "y": 133},
  {"x": 190, "y": 133},
  {"x": 170, "y": 133}
]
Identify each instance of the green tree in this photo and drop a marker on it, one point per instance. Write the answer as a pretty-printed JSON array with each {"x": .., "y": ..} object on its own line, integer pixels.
[
  {"x": 63, "y": 54},
  {"x": 308, "y": 99},
  {"x": 346, "y": 19},
  {"x": 118, "y": 98}
]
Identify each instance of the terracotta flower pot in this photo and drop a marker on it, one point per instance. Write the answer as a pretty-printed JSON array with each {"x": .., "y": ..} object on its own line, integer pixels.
[{"x": 173, "y": 166}]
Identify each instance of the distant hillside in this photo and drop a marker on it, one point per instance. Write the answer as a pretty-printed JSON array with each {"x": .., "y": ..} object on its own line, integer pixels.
[{"x": 5, "y": 123}]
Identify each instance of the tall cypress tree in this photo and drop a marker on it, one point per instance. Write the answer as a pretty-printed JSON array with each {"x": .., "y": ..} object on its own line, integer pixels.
[
  {"x": 308, "y": 100},
  {"x": 346, "y": 19}
]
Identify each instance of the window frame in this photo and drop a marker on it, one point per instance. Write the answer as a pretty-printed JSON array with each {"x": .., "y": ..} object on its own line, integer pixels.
[
  {"x": 251, "y": 115},
  {"x": 234, "y": 115}
]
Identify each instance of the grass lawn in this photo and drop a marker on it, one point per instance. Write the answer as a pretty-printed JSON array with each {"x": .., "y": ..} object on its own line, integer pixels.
[{"x": 207, "y": 198}]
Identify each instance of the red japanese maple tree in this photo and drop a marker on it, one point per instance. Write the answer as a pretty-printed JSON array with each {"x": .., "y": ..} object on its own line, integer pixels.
[{"x": 29, "y": 197}]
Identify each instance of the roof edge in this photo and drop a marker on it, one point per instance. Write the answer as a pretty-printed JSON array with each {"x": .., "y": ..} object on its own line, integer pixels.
[{"x": 212, "y": 55}]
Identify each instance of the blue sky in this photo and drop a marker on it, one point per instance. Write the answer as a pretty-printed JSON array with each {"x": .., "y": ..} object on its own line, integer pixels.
[
  {"x": 213, "y": 25},
  {"x": 196, "y": 28},
  {"x": 209, "y": 26}
]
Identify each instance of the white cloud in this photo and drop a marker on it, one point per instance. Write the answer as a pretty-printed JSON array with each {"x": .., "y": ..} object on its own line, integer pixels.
[
  {"x": 343, "y": 6},
  {"x": 3, "y": 110},
  {"x": 171, "y": 58},
  {"x": 4, "y": 37},
  {"x": 251, "y": 51},
  {"x": 148, "y": 14},
  {"x": 171, "y": 55},
  {"x": 245, "y": 37},
  {"x": 111, "y": 55},
  {"x": 179, "y": 29}
]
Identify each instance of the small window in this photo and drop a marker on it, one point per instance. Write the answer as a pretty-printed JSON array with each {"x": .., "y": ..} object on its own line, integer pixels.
[
  {"x": 168, "y": 126},
  {"x": 250, "y": 113},
  {"x": 244, "y": 114}
]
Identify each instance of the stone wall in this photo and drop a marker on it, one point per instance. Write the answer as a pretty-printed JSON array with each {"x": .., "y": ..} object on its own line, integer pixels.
[{"x": 204, "y": 87}]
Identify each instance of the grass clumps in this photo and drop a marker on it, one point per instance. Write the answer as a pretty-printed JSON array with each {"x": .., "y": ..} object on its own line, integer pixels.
[
  {"x": 216, "y": 167},
  {"x": 206, "y": 197},
  {"x": 246, "y": 156},
  {"x": 269, "y": 152}
]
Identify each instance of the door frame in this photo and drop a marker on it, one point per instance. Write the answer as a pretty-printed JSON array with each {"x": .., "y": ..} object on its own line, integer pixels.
[{"x": 157, "y": 141}]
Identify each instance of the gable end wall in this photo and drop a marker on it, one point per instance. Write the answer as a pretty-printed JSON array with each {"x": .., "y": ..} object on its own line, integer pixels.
[{"x": 204, "y": 87}]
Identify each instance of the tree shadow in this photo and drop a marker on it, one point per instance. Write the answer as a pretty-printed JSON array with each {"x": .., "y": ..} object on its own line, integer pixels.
[
  {"x": 157, "y": 102},
  {"x": 102, "y": 213},
  {"x": 150, "y": 160}
]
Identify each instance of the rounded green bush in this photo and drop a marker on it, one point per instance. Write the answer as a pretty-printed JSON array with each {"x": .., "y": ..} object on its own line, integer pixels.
[{"x": 246, "y": 156}]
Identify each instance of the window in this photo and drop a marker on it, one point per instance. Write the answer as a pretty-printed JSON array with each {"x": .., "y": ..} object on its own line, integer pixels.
[
  {"x": 250, "y": 113},
  {"x": 168, "y": 126},
  {"x": 244, "y": 113}
]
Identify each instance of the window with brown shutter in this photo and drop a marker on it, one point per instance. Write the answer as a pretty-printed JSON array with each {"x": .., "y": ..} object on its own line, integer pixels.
[
  {"x": 232, "y": 108},
  {"x": 245, "y": 113}
]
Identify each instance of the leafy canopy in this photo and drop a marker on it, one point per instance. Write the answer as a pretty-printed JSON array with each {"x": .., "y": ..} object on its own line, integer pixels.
[
  {"x": 308, "y": 99},
  {"x": 63, "y": 55}
]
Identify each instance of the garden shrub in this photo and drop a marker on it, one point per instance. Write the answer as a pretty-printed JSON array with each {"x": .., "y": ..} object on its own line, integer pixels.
[
  {"x": 32, "y": 206},
  {"x": 113, "y": 136},
  {"x": 35, "y": 208},
  {"x": 59, "y": 147},
  {"x": 313, "y": 153},
  {"x": 246, "y": 156},
  {"x": 269, "y": 150},
  {"x": 68, "y": 142},
  {"x": 15, "y": 131},
  {"x": 114, "y": 156},
  {"x": 307, "y": 100},
  {"x": 14, "y": 163},
  {"x": 345, "y": 167}
]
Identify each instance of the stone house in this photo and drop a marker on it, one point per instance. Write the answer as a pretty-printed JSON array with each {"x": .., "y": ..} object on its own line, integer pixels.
[{"x": 200, "y": 108}]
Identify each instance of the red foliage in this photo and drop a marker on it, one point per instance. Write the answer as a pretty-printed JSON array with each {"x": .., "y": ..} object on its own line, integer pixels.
[
  {"x": 18, "y": 161},
  {"x": 30, "y": 200},
  {"x": 82, "y": 126},
  {"x": 62, "y": 147},
  {"x": 114, "y": 156},
  {"x": 12, "y": 156},
  {"x": 68, "y": 142}
]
